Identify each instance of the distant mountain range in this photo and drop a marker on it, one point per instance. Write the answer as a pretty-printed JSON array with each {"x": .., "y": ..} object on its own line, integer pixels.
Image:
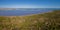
[
  {"x": 28, "y": 8},
  {"x": 7, "y": 8}
]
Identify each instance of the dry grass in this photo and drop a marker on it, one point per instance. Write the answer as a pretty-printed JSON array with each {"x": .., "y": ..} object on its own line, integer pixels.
[{"x": 46, "y": 21}]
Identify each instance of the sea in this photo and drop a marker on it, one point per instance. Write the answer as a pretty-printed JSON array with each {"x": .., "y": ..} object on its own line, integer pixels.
[{"x": 26, "y": 11}]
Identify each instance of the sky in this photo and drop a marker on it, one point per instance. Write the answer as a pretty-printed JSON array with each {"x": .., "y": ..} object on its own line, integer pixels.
[{"x": 29, "y": 3}]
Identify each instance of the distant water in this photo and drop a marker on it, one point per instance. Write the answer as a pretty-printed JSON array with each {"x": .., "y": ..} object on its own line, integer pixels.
[{"x": 23, "y": 12}]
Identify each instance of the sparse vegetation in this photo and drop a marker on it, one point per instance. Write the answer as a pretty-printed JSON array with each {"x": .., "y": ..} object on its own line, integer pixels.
[{"x": 46, "y": 21}]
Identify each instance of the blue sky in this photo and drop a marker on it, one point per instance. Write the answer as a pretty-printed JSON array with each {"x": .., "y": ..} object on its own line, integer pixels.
[{"x": 29, "y": 3}]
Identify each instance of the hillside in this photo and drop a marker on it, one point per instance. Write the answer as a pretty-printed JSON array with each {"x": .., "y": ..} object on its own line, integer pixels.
[{"x": 45, "y": 21}]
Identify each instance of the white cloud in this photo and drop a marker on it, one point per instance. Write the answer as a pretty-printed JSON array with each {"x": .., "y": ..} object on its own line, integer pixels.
[
  {"x": 28, "y": 6},
  {"x": 20, "y": 6}
]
